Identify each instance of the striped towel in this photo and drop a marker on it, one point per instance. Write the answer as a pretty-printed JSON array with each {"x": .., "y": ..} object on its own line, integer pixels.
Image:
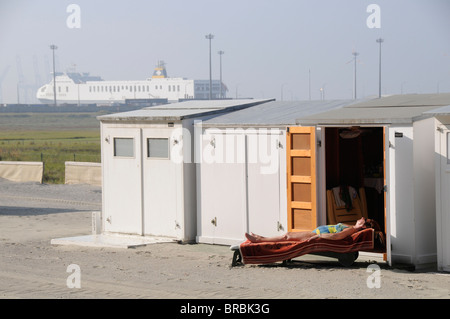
[{"x": 266, "y": 253}]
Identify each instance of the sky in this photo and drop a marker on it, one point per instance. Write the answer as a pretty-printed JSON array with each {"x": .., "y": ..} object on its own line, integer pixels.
[{"x": 282, "y": 49}]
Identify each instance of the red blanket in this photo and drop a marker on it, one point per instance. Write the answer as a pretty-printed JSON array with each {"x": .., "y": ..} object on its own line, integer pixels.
[{"x": 264, "y": 253}]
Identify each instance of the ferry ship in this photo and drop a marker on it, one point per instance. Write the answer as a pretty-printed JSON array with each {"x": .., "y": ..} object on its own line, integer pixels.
[{"x": 82, "y": 88}]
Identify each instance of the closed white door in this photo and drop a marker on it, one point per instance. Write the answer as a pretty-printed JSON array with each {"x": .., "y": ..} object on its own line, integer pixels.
[
  {"x": 443, "y": 203},
  {"x": 122, "y": 200},
  {"x": 264, "y": 199},
  {"x": 223, "y": 189},
  {"x": 162, "y": 183},
  {"x": 240, "y": 186}
]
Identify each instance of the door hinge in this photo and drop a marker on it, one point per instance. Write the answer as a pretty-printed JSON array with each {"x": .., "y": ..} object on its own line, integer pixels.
[
  {"x": 440, "y": 129},
  {"x": 279, "y": 145},
  {"x": 279, "y": 226},
  {"x": 385, "y": 188}
]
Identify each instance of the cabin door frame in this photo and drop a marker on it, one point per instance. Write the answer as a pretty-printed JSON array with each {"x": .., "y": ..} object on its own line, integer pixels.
[
  {"x": 317, "y": 208},
  {"x": 388, "y": 176}
]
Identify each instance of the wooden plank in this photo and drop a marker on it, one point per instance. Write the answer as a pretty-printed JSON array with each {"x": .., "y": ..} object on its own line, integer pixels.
[
  {"x": 301, "y": 179},
  {"x": 301, "y": 205},
  {"x": 300, "y": 153}
]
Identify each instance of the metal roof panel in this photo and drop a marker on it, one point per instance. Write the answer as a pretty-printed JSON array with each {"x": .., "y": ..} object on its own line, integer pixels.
[
  {"x": 182, "y": 110},
  {"x": 275, "y": 113},
  {"x": 405, "y": 108}
]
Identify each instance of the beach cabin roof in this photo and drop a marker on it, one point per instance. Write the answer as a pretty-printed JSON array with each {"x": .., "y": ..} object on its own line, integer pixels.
[
  {"x": 183, "y": 110},
  {"x": 443, "y": 110},
  {"x": 398, "y": 109},
  {"x": 275, "y": 113}
]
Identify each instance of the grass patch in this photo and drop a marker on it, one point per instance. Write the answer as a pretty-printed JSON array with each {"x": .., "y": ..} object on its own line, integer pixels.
[
  {"x": 48, "y": 121},
  {"x": 51, "y": 138}
]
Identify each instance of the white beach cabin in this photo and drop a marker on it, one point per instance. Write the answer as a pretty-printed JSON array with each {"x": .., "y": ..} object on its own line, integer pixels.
[
  {"x": 442, "y": 167},
  {"x": 386, "y": 147},
  {"x": 148, "y": 168},
  {"x": 396, "y": 144},
  {"x": 242, "y": 178}
]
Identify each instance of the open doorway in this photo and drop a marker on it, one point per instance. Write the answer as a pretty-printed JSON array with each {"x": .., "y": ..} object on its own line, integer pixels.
[{"x": 354, "y": 163}]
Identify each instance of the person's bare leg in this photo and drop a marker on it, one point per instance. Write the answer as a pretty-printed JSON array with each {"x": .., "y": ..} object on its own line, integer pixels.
[
  {"x": 259, "y": 239},
  {"x": 290, "y": 236},
  {"x": 256, "y": 235},
  {"x": 300, "y": 236}
]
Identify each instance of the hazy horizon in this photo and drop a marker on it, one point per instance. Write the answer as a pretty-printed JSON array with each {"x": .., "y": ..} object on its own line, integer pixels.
[{"x": 270, "y": 47}]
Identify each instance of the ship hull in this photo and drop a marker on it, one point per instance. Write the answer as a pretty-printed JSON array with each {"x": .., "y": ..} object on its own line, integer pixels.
[
  {"x": 74, "y": 88},
  {"x": 61, "y": 101}
]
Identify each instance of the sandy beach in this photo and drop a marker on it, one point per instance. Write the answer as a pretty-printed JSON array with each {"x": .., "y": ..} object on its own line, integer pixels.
[{"x": 31, "y": 215}]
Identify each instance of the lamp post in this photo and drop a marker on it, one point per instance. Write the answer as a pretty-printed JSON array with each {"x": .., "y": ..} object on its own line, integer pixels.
[
  {"x": 309, "y": 83},
  {"x": 210, "y": 37},
  {"x": 220, "y": 55},
  {"x": 355, "y": 54},
  {"x": 18, "y": 92},
  {"x": 282, "y": 88},
  {"x": 380, "y": 40},
  {"x": 54, "y": 47},
  {"x": 322, "y": 91}
]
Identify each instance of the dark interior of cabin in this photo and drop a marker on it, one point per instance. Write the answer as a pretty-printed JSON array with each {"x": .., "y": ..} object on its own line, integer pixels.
[{"x": 355, "y": 158}]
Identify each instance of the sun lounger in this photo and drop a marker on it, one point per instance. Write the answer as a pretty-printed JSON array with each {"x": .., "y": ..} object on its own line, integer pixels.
[{"x": 345, "y": 250}]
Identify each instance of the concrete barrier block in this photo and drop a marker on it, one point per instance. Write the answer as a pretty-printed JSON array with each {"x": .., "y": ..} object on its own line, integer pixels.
[
  {"x": 83, "y": 173},
  {"x": 22, "y": 171}
]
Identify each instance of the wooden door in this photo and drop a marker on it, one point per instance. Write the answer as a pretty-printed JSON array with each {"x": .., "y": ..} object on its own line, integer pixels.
[{"x": 301, "y": 178}]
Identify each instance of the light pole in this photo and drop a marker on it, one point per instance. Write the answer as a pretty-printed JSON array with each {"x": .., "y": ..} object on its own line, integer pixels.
[
  {"x": 322, "y": 92},
  {"x": 220, "y": 55},
  {"x": 210, "y": 37},
  {"x": 355, "y": 54},
  {"x": 282, "y": 87},
  {"x": 54, "y": 47},
  {"x": 380, "y": 40},
  {"x": 309, "y": 83},
  {"x": 18, "y": 94}
]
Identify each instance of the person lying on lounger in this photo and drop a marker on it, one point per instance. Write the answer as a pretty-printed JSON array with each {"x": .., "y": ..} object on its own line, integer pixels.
[{"x": 334, "y": 232}]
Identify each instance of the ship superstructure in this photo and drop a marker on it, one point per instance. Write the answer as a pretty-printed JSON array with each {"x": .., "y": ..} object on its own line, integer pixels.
[{"x": 82, "y": 88}]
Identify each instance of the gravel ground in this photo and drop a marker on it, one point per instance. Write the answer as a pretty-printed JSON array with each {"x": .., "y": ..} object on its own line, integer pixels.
[
  {"x": 30, "y": 267},
  {"x": 40, "y": 197}
]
